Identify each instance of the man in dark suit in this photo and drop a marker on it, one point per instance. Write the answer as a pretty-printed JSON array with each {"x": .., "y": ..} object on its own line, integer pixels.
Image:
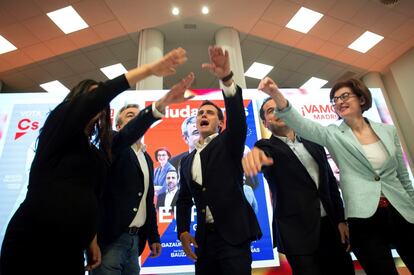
[
  {"x": 308, "y": 214},
  {"x": 168, "y": 199},
  {"x": 212, "y": 175},
  {"x": 128, "y": 218}
]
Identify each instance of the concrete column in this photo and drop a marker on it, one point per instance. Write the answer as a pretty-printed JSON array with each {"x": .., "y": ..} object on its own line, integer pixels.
[
  {"x": 229, "y": 39},
  {"x": 150, "y": 49}
]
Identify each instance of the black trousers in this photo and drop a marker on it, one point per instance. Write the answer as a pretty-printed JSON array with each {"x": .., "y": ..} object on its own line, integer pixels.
[
  {"x": 217, "y": 257},
  {"x": 372, "y": 239},
  {"x": 330, "y": 257}
]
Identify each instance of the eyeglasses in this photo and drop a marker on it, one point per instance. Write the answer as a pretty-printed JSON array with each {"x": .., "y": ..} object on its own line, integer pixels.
[{"x": 344, "y": 97}]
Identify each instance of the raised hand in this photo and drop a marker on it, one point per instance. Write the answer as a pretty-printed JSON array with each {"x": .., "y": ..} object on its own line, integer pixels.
[
  {"x": 268, "y": 86},
  {"x": 176, "y": 94},
  {"x": 219, "y": 62},
  {"x": 254, "y": 160},
  {"x": 186, "y": 241},
  {"x": 167, "y": 64}
]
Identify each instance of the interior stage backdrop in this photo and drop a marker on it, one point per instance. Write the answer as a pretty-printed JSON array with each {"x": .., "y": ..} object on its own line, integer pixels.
[{"x": 22, "y": 115}]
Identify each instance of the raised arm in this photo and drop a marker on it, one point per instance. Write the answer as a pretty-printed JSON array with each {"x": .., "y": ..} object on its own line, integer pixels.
[
  {"x": 72, "y": 115},
  {"x": 137, "y": 127},
  {"x": 87, "y": 105},
  {"x": 304, "y": 127},
  {"x": 236, "y": 128}
]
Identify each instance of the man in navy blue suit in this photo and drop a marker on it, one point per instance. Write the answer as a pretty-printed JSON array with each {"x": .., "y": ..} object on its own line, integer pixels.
[
  {"x": 212, "y": 175},
  {"x": 308, "y": 214},
  {"x": 128, "y": 219}
]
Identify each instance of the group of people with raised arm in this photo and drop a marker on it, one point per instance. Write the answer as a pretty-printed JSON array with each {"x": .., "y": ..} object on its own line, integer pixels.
[{"x": 91, "y": 189}]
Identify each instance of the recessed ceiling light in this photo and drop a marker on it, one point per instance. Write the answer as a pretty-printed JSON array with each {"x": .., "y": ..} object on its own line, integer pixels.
[
  {"x": 6, "y": 46},
  {"x": 113, "y": 70},
  {"x": 314, "y": 83},
  {"x": 175, "y": 11},
  {"x": 366, "y": 41},
  {"x": 205, "y": 10},
  {"x": 304, "y": 20},
  {"x": 67, "y": 19},
  {"x": 258, "y": 70},
  {"x": 55, "y": 87}
]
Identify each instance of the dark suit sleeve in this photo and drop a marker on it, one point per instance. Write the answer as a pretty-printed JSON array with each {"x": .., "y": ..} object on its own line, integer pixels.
[
  {"x": 71, "y": 117},
  {"x": 133, "y": 131},
  {"x": 84, "y": 107},
  {"x": 236, "y": 127},
  {"x": 184, "y": 205},
  {"x": 337, "y": 203}
]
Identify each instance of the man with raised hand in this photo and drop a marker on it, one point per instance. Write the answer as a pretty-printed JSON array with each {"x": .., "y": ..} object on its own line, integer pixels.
[{"x": 212, "y": 175}]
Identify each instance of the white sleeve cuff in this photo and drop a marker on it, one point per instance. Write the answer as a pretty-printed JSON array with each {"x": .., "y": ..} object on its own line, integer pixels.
[
  {"x": 155, "y": 112},
  {"x": 229, "y": 91}
]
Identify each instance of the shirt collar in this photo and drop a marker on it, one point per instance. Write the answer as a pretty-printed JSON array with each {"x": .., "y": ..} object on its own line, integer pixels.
[
  {"x": 207, "y": 140},
  {"x": 143, "y": 148},
  {"x": 172, "y": 192},
  {"x": 286, "y": 139}
]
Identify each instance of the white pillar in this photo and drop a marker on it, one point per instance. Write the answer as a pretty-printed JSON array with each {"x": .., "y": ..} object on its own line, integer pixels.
[
  {"x": 229, "y": 39},
  {"x": 150, "y": 49}
]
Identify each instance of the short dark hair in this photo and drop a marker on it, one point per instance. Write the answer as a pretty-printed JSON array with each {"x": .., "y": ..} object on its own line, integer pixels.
[
  {"x": 219, "y": 111},
  {"x": 118, "y": 115},
  {"x": 261, "y": 111},
  {"x": 358, "y": 88},
  {"x": 172, "y": 170},
  {"x": 162, "y": 149}
]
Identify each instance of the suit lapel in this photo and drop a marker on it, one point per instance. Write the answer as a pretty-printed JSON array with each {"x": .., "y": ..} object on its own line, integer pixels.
[
  {"x": 292, "y": 156},
  {"x": 186, "y": 166}
]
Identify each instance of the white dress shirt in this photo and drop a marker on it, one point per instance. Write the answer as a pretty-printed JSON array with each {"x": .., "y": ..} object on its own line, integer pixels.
[
  {"x": 140, "y": 217},
  {"x": 306, "y": 159},
  {"x": 169, "y": 196}
]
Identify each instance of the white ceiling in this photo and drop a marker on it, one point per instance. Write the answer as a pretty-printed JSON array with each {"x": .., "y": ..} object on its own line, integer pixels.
[{"x": 45, "y": 53}]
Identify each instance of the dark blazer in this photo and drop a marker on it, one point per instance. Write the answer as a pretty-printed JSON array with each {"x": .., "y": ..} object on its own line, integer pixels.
[
  {"x": 161, "y": 199},
  {"x": 61, "y": 204},
  {"x": 222, "y": 188},
  {"x": 125, "y": 187},
  {"x": 295, "y": 197}
]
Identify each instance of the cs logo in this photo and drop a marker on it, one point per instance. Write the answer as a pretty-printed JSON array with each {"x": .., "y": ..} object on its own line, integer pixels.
[{"x": 24, "y": 126}]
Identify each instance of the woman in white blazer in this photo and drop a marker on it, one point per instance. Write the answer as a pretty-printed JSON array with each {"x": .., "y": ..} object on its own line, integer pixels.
[{"x": 378, "y": 194}]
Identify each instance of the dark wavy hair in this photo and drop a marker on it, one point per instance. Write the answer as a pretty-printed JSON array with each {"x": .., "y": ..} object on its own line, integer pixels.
[{"x": 102, "y": 128}]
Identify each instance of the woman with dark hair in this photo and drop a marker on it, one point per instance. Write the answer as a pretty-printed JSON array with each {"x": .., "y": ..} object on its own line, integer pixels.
[
  {"x": 377, "y": 191},
  {"x": 57, "y": 221}
]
